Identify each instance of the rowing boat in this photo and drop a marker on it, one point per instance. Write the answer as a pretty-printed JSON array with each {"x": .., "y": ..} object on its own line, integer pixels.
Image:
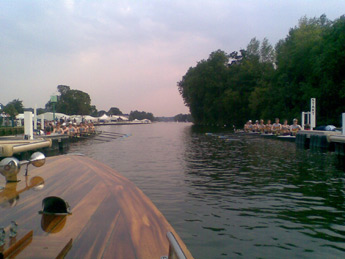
[{"x": 76, "y": 207}]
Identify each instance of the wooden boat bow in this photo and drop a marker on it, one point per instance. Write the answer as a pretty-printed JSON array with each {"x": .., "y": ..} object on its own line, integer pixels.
[{"x": 111, "y": 217}]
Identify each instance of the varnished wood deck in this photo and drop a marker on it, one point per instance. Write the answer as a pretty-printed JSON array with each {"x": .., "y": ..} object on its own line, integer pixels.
[{"x": 111, "y": 217}]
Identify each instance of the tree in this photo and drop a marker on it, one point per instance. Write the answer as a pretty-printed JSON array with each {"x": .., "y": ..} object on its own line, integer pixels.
[
  {"x": 203, "y": 85},
  {"x": 40, "y": 111},
  {"x": 219, "y": 93},
  {"x": 63, "y": 89},
  {"x": 183, "y": 118},
  {"x": 114, "y": 111},
  {"x": 13, "y": 108},
  {"x": 72, "y": 102},
  {"x": 303, "y": 59},
  {"x": 17, "y": 105},
  {"x": 101, "y": 113},
  {"x": 266, "y": 52},
  {"x": 253, "y": 49},
  {"x": 137, "y": 115},
  {"x": 93, "y": 111},
  {"x": 330, "y": 67},
  {"x": 266, "y": 82}
]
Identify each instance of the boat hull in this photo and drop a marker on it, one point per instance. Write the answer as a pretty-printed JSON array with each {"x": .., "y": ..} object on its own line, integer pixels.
[{"x": 111, "y": 217}]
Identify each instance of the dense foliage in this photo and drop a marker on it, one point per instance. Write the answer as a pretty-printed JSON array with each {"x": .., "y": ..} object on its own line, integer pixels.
[
  {"x": 14, "y": 107},
  {"x": 114, "y": 111},
  {"x": 72, "y": 102},
  {"x": 266, "y": 82},
  {"x": 183, "y": 118},
  {"x": 141, "y": 115}
]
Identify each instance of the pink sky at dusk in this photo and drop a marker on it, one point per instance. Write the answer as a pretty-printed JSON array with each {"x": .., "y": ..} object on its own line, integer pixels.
[{"x": 131, "y": 54}]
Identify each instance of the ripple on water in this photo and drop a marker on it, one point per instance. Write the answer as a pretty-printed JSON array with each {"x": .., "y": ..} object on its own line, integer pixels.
[{"x": 234, "y": 196}]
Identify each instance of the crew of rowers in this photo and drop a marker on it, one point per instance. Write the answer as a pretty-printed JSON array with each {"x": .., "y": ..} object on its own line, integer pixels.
[
  {"x": 71, "y": 129},
  {"x": 275, "y": 128}
]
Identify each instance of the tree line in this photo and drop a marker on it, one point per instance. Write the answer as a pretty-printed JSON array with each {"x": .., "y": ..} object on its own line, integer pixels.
[
  {"x": 265, "y": 82},
  {"x": 183, "y": 118},
  {"x": 72, "y": 102}
]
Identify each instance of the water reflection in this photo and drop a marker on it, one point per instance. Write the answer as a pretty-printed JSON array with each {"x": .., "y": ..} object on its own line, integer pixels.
[
  {"x": 9, "y": 195},
  {"x": 259, "y": 193},
  {"x": 53, "y": 223}
]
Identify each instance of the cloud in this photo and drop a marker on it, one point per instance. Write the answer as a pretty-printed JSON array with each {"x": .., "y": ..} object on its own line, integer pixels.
[{"x": 130, "y": 53}]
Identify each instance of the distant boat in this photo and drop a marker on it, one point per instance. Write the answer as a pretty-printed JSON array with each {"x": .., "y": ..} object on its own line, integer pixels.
[{"x": 76, "y": 207}]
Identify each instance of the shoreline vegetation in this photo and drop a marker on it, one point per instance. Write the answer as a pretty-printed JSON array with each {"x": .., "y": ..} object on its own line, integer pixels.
[
  {"x": 71, "y": 102},
  {"x": 263, "y": 82}
]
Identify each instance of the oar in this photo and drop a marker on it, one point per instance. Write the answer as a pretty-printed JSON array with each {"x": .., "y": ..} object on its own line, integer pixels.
[
  {"x": 115, "y": 135},
  {"x": 103, "y": 140},
  {"x": 83, "y": 137},
  {"x": 111, "y": 133},
  {"x": 108, "y": 137}
]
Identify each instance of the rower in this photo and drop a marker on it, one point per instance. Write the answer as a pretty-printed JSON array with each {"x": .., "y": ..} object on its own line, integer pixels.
[
  {"x": 245, "y": 127},
  {"x": 256, "y": 126},
  {"x": 250, "y": 126},
  {"x": 268, "y": 127},
  {"x": 81, "y": 129},
  {"x": 261, "y": 126},
  {"x": 64, "y": 128},
  {"x": 285, "y": 128},
  {"x": 58, "y": 129},
  {"x": 295, "y": 127},
  {"x": 71, "y": 130},
  {"x": 276, "y": 127}
]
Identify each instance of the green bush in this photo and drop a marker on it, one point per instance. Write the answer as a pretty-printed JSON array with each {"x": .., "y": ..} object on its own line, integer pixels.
[{"x": 8, "y": 131}]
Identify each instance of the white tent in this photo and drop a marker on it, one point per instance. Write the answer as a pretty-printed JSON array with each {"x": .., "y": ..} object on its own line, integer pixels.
[
  {"x": 117, "y": 117},
  {"x": 20, "y": 116},
  {"x": 80, "y": 118},
  {"x": 104, "y": 117},
  {"x": 90, "y": 118},
  {"x": 77, "y": 118},
  {"x": 49, "y": 116}
]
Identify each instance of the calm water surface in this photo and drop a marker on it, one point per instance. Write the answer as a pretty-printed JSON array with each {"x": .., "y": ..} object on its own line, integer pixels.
[{"x": 239, "y": 197}]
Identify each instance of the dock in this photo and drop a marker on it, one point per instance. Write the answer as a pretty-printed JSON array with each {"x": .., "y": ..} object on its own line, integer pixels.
[
  {"x": 333, "y": 141},
  {"x": 9, "y": 147},
  {"x": 48, "y": 144},
  {"x": 322, "y": 140}
]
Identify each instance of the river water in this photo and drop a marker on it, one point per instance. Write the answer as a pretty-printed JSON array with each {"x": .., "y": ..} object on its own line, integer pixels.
[{"x": 239, "y": 197}]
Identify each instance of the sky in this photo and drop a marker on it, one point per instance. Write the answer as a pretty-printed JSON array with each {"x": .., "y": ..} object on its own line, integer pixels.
[{"x": 131, "y": 54}]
